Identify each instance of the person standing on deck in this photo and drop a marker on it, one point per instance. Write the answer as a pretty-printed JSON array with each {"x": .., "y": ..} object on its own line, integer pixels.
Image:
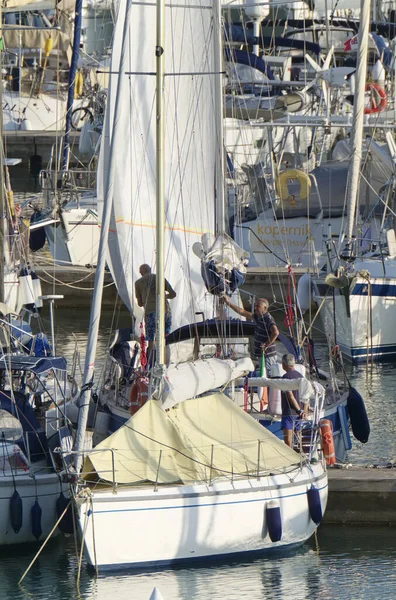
[
  {"x": 146, "y": 297},
  {"x": 291, "y": 409},
  {"x": 265, "y": 332}
]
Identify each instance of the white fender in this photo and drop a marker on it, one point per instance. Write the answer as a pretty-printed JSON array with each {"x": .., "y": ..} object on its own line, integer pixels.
[
  {"x": 26, "y": 289},
  {"x": 304, "y": 295}
]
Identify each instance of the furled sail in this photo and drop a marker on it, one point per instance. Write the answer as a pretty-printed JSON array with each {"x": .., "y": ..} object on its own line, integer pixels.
[{"x": 189, "y": 153}]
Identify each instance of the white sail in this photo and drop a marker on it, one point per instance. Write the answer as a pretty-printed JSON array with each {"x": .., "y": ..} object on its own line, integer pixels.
[{"x": 190, "y": 148}]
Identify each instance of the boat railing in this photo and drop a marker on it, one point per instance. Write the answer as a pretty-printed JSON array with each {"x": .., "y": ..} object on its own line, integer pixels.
[
  {"x": 66, "y": 186},
  {"x": 206, "y": 470}
]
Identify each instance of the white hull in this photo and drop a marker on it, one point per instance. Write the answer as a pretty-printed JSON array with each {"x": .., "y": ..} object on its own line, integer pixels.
[
  {"x": 46, "y": 488},
  {"x": 75, "y": 240},
  {"x": 46, "y": 113},
  {"x": 141, "y": 527},
  {"x": 369, "y": 330}
]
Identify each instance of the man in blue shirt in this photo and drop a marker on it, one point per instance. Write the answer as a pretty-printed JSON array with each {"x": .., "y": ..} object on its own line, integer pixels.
[
  {"x": 291, "y": 409},
  {"x": 266, "y": 330}
]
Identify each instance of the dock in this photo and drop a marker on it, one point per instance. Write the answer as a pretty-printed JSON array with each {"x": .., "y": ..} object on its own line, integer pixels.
[{"x": 361, "y": 496}]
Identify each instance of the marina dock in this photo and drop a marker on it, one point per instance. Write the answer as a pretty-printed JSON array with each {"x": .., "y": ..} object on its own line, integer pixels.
[{"x": 361, "y": 496}]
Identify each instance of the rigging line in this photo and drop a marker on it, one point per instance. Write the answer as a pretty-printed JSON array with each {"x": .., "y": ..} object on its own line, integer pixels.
[
  {"x": 265, "y": 246},
  {"x": 70, "y": 285}
]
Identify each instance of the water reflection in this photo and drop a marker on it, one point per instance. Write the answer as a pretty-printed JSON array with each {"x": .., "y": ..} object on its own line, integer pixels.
[{"x": 345, "y": 562}]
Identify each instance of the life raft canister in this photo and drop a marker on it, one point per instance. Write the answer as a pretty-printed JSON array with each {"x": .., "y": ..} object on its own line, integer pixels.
[
  {"x": 377, "y": 92},
  {"x": 326, "y": 431},
  {"x": 138, "y": 394},
  {"x": 283, "y": 179}
]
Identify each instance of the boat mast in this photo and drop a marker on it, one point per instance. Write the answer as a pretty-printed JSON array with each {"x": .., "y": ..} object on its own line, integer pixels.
[
  {"x": 357, "y": 127},
  {"x": 160, "y": 187},
  {"x": 2, "y": 196},
  {"x": 220, "y": 220},
  {"x": 116, "y": 136},
  {"x": 72, "y": 82}
]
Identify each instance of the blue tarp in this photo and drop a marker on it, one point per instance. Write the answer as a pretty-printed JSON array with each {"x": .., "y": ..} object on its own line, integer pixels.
[
  {"x": 20, "y": 408},
  {"x": 251, "y": 60},
  {"x": 236, "y": 33},
  {"x": 32, "y": 363}
]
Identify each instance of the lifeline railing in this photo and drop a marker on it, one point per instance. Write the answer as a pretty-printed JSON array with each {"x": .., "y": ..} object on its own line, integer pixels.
[{"x": 256, "y": 471}]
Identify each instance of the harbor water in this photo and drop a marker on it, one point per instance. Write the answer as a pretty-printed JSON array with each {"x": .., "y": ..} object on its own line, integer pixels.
[
  {"x": 343, "y": 563},
  {"x": 340, "y": 562}
]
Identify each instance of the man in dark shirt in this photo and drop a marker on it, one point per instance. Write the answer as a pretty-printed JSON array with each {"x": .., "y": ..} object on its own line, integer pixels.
[
  {"x": 266, "y": 330},
  {"x": 291, "y": 409},
  {"x": 146, "y": 297}
]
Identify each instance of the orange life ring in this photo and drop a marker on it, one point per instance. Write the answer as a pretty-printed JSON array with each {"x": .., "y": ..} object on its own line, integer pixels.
[
  {"x": 377, "y": 92},
  {"x": 326, "y": 431},
  {"x": 138, "y": 395}
]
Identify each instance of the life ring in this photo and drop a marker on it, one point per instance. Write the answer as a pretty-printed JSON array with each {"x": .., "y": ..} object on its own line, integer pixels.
[
  {"x": 285, "y": 177},
  {"x": 326, "y": 432},
  {"x": 138, "y": 395},
  {"x": 377, "y": 92}
]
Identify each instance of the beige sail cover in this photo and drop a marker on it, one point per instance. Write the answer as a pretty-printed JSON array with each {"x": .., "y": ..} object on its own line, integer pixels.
[
  {"x": 186, "y": 436},
  {"x": 36, "y": 38}
]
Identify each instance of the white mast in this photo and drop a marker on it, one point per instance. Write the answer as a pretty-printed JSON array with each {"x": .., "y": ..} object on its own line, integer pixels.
[
  {"x": 160, "y": 188},
  {"x": 117, "y": 134},
  {"x": 357, "y": 125},
  {"x": 221, "y": 224}
]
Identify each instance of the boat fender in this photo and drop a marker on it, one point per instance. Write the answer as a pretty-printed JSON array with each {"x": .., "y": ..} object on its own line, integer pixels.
[
  {"x": 66, "y": 524},
  {"x": 376, "y": 92},
  {"x": 138, "y": 394},
  {"x": 26, "y": 125},
  {"x": 79, "y": 85},
  {"x": 48, "y": 45},
  {"x": 304, "y": 294},
  {"x": 16, "y": 512},
  {"x": 326, "y": 431},
  {"x": 35, "y": 515},
  {"x": 358, "y": 416},
  {"x": 274, "y": 521},
  {"x": 37, "y": 237},
  {"x": 314, "y": 505},
  {"x": 26, "y": 287},
  {"x": 285, "y": 177},
  {"x": 37, "y": 291}
]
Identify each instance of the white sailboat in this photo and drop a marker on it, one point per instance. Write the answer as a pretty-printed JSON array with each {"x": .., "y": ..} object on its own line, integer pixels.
[
  {"x": 201, "y": 480},
  {"x": 361, "y": 308}
]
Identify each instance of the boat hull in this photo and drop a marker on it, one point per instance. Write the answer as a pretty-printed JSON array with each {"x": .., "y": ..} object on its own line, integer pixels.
[
  {"x": 363, "y": 334},
  {"x": 139, "y": 528},
  {"x": 46, "y": 488}
]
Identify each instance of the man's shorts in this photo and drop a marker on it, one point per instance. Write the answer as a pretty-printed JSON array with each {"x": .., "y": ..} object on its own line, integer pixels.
[
  {"x": 149, "y": 321},
  {"x": 291, "y": 422}
]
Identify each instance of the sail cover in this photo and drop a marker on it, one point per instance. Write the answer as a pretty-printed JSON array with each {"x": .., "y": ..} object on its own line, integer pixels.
[
  {"x": 190, "y": 148},
  {"x": 186, "y": 436}
]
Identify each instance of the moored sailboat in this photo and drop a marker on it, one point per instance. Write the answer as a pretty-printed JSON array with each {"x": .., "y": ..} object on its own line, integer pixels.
[{"x": 183, "y": 496}]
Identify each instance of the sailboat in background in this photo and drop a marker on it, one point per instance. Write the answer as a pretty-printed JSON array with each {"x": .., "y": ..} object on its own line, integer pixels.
[
  {"x": 33, "y": 397},
  {"x": 181, "y": 474},
  {"x": 360, "y": 310}
]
